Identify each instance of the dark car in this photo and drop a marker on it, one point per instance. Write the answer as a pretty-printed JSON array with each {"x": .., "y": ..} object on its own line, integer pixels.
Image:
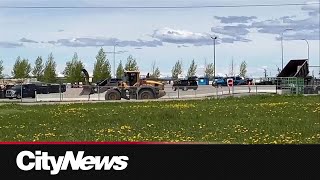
[
  {"x": 185, "y": 84},
  {"x": 56, "y": 88},
  {"x": 28, "y": 90},
  {"x": 3, "y": 90},
  {"x": 219, "y": 81},
  {"x": 222, "y": 81}
]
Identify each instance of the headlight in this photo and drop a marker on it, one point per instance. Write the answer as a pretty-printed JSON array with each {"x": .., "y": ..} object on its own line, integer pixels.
[{"x": 13, "y": 91}]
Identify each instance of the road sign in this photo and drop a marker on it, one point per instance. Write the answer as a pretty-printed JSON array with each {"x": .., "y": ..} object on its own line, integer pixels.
[{"x": 230, "y": 82}]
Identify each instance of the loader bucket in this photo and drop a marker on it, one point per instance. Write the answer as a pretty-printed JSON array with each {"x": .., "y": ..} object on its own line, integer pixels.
[{"x": 86, "y": 90}]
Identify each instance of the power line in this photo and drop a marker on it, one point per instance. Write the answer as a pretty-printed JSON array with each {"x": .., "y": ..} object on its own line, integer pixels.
[{"x": 157, "y": 7}]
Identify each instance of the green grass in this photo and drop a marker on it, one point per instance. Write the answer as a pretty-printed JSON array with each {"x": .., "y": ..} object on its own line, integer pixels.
[{"x": 248, "y": 120}]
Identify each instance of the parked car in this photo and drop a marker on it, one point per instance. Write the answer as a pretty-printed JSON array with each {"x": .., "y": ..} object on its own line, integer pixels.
[
  {"x": 185, "y": 84},
  {"x": 219, "y": 81},
  {"x": 222, "y": 81},
  {"x": 28, "y": 90},
  {"x": 3, "y": 89},
  {"x": 56, "y": 88}
]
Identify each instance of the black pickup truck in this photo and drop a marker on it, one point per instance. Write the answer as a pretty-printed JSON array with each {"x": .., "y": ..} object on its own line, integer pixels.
[
  {"x": 28, "y": 90},
  {"x": 185, "y": 84},
  {"x": 31, "y": 89}
]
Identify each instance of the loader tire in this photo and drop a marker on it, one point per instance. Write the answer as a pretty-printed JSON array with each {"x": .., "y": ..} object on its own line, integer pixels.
[
  {"x": 146, "y": 94},
  {"x": 112, "y": 94}
]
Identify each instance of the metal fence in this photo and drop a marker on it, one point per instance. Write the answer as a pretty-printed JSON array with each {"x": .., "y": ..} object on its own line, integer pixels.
[
  {"x": 74, "y": 94},
  {"x": 98, "y": 94}
]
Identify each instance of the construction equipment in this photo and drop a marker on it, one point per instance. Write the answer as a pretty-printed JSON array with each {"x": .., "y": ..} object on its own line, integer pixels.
[
  {"x": 295, "y": 79},
  {"x": 130, "y": 87}
]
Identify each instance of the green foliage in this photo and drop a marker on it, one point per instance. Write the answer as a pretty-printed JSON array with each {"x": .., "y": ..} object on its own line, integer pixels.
[
  {"x": 38, "y": 69},
  {"x": 21, "y": 68},
  {"x": 73, "y": 70},
  {"x": 102, "y": 68},
  {"x": 131, "y": 64},
  {"x": 209, "y": 70},
  {"x": 1, "y": 68},
  {"x": 243, "y": 69},
  {"x": 120, "y": 70},
  {"x": 246, "y": 120},
  {"x": 192, "y": 69},
  {"x": 155, "y": 71},
  {"x": 177, "y": 70},
  {"x": 49, "y": 72}
]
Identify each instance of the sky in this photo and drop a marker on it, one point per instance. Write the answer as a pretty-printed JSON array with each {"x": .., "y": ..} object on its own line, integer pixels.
[{"x": 162, "y": 35}]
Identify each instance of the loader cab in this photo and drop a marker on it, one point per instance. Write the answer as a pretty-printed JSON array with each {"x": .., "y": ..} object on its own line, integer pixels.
[{"x": 131, "y": 77}]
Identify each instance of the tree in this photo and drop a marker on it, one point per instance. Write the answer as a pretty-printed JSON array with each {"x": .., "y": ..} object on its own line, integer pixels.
[
  {"x": 120, "y": 71},
  {"x": 73, "y": 70},
  {"x": 102, "y": 68},
  {"x": 209, "y": 70},
  {"x": 38, "y": 69},
  {"x": 192, "y": 69},
  {"x": 155, "y": 71},
  {"x": 243, "y": 69},
  {"x": 49, "y": 71},
  {"x": 176, "y": 70},
  {"x": 1, "y": 69},
  {"x": 21, "y": 68},
  {"x": 131, "y": 64}
]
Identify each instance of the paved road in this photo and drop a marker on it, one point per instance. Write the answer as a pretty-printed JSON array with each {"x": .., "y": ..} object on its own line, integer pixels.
[{"x": 72, "y": 94}]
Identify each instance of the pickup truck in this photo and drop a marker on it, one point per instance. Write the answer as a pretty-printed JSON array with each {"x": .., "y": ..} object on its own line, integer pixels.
[
  {"x": 185, "y": 84},
  {"x": 28, "y": 90}
]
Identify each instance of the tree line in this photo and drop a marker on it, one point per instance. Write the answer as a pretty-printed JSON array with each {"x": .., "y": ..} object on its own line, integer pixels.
[
  {"x": 208, "y": 69},
  {"x": 46, "y": 71}
]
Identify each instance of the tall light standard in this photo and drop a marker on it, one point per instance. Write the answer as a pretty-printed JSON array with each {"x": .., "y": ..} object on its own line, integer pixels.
[
  {"x": 308, "y": 50},
  {"x": 114, "y": 60},
  {"x": 214, "y": 55},
  {"x": 288, "y": 29}
]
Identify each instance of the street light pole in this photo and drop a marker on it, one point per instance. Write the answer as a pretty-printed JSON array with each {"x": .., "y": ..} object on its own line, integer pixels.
[
  {"x": 308, "y": 50},
  {"x": 114, "y": 60},
  {"x": 214, "y": 55},
  {"x": 282, "y": 46}
]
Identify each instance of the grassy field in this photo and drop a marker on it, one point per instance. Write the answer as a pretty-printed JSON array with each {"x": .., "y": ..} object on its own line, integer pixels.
[{"x": 248, "y": 120}]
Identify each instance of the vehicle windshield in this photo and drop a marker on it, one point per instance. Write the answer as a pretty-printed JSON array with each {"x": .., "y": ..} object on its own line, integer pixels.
[{"x": 16, "y": 87}]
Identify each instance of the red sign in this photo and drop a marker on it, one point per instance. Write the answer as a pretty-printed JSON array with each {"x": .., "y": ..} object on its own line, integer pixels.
[{"x": 230, "y": 82}]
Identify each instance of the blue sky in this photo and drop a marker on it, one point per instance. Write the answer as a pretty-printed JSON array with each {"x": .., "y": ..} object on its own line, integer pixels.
[{"x": 161, "y": 35}]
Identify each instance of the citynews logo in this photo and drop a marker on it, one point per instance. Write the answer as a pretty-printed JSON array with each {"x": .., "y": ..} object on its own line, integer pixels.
[{"x": 42, "y": 161}]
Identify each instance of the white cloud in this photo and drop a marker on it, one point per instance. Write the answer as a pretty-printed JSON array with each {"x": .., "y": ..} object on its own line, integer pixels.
[{"x": 178, "y": 36}]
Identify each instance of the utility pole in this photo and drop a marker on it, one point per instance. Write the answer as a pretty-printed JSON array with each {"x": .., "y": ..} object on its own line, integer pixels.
[
  {"x": 214, "y": 55},
  {"x": 282, "y": 45},
  {"x": 232, "y": 67},
  {"x": 114, "y": 60}
]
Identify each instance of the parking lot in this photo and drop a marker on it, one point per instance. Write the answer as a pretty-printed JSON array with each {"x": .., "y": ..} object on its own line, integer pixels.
[{"x": 73, "y": 94}]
